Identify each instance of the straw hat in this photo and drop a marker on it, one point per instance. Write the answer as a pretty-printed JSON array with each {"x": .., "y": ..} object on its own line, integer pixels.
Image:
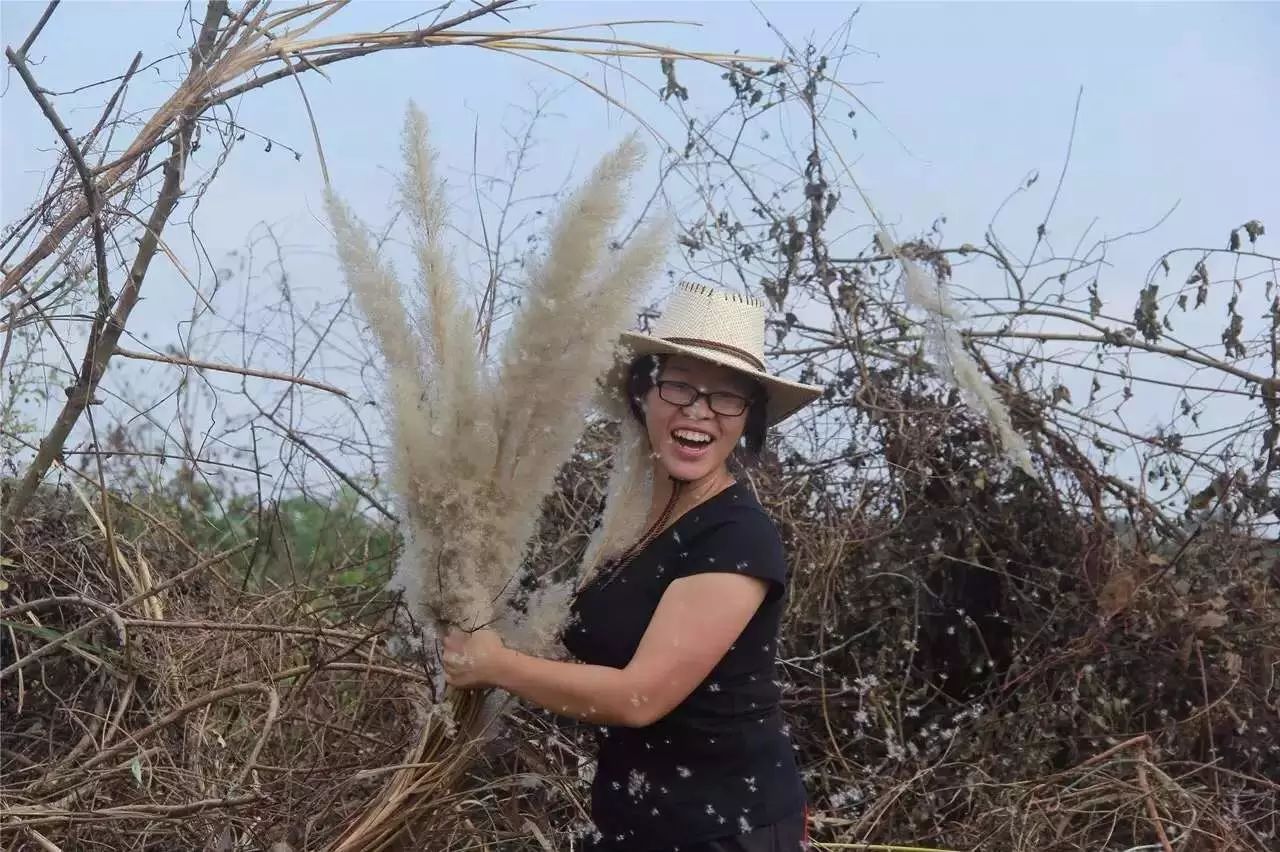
[{"x": 723, "y": 328}]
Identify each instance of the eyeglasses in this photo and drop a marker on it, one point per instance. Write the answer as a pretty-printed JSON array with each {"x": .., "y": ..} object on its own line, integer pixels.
[{"x": 721, "y": 402}]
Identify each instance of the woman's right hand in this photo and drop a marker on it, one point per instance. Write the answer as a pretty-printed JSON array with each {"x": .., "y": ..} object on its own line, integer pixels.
[{"x": 473, "y": 660}]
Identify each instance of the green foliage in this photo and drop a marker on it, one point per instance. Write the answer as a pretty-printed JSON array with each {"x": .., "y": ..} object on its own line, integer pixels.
[
  {"x": 24, "y": 387},
  {"x": 312, "y": 542},
  {"x": 322, "y": 542}
]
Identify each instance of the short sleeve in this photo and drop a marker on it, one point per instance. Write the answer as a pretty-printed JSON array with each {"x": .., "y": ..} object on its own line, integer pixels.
[{"x": 742, "y": 542}]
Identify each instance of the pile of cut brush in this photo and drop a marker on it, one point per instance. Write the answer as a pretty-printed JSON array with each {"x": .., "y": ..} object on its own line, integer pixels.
[
  {"x": 150, "y": 703},
  {"x": 982, "y": 668},
  {"x": 973, "y": 662}
]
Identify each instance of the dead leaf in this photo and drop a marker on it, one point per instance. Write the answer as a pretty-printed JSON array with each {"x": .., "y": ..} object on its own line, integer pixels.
[
  {"x": 1254, "y": 229},
  {"x": 1203, "y": 497},
  {"x": 1184, "y": 652},
  {"x": 1116, "y": 593},
  {"x": 1211, "y": 620},
  {"x": 1233, "y": 662}
]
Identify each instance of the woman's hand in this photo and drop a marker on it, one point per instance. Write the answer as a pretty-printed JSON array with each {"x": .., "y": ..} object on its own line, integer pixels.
[{"x": 473, "y": 660}]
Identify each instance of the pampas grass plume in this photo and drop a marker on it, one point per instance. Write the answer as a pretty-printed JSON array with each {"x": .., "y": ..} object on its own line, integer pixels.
[
  {"x": 930, "y": 295},
  {"x": 475, "y": 450}
]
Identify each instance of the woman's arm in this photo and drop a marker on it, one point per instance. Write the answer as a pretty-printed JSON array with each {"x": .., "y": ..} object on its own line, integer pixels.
[{"x": 697, "y": 620}]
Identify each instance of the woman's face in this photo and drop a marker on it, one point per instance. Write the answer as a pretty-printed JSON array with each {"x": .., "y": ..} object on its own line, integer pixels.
[{"x": 691, "y": 441}]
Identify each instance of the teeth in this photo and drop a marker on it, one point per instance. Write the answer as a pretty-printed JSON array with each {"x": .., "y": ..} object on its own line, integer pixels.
[{"x": 690, "y": 435}]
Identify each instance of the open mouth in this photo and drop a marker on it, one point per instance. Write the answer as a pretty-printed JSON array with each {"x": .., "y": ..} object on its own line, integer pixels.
[{"x": 691, "y": 439}]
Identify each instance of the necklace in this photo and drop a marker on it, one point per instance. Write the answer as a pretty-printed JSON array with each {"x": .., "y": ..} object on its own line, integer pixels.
[{"x": 611, "y": 571}]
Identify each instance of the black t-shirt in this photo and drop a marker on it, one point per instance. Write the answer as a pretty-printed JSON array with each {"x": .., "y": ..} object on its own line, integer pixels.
[{"x": 721, "y": 763}]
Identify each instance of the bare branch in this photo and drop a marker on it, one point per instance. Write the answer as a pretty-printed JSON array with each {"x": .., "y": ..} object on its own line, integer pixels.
[
  {"x": 35, "y": 31},
  {"x": 228, "y": 368},
  {"x": 98, "y": 353}
]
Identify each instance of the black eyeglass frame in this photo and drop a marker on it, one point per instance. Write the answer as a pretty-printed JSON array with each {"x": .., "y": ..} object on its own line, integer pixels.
[{"x": 743, "y": 402}]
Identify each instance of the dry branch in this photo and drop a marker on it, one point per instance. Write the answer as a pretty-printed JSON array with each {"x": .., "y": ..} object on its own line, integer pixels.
[
  {"x": 227, "y": 61},
  {"x": 229, "y": 368},
  {"x": 101, "y": 345}
]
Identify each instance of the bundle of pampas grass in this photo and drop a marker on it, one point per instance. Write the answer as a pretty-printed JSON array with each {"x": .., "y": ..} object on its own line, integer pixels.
[{"x": 476, "y": 446}]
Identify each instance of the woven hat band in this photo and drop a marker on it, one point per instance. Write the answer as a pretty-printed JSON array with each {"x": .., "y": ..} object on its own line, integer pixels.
[
  {"x": 715, "y": 319},
  {"x": 721, "y": 327},
  {"x": 723, "y": 348}
]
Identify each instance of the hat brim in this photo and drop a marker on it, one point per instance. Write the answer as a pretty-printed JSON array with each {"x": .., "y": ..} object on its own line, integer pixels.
[{"x": 785, "y": 397}]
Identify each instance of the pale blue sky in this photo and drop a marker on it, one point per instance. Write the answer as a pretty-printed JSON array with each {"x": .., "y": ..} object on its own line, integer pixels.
[
  {"x": 1179, "y": 103},
  {"x": 1180, "y": 106}
]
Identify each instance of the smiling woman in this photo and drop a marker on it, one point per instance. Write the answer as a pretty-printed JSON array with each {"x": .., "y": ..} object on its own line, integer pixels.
[
  {"x": 692, "y": 429},
  {"x": 675, "y": 637}
]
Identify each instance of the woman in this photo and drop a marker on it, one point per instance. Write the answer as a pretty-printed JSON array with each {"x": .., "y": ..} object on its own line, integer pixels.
[{"x": 676, "y": 636}]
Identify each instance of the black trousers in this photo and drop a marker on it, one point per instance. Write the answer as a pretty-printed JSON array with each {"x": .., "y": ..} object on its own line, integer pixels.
[{"x": 787, "y": 835}]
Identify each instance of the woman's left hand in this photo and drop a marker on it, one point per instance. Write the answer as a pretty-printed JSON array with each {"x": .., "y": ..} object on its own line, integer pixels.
[{"x": 472, "y": 660}]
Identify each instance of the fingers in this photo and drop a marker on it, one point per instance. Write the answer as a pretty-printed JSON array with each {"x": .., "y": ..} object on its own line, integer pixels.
[
  {"x": 463, "y": 657},
  {"x": 454, "y": 672},
  {"x": 454, "y": 659},
  {"x": 459, "y": 677},
  {"x": 454, "y": 654}
]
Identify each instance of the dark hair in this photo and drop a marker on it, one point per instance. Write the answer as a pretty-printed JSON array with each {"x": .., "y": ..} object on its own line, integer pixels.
[{"x": 641, "y": 377}]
